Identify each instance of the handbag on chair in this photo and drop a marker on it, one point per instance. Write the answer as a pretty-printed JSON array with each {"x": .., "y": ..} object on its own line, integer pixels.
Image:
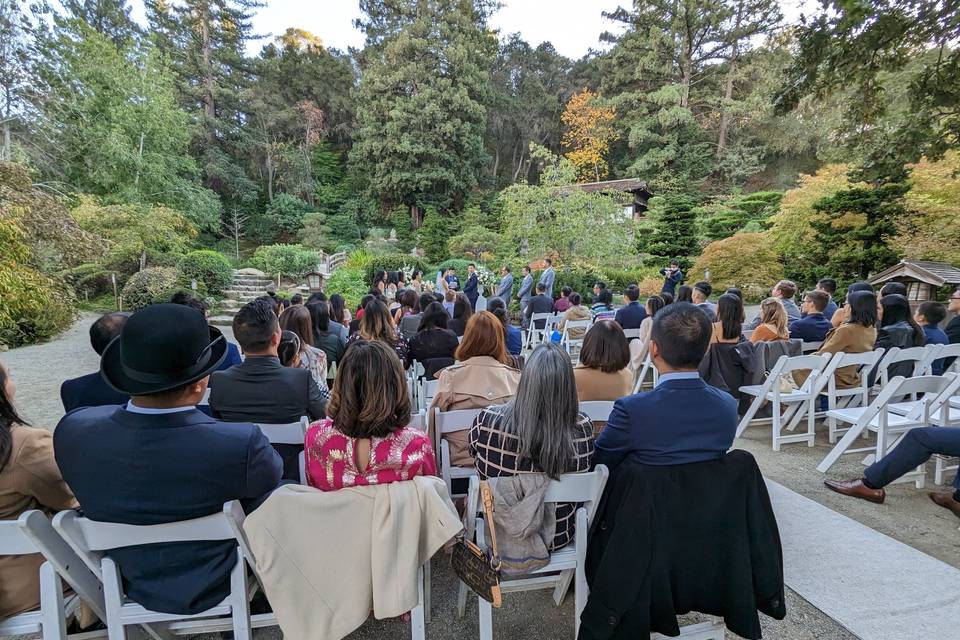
[{"x": 477, "y": 569}]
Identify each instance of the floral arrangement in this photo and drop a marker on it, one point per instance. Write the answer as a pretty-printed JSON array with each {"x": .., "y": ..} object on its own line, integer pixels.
[{"x": 486, "y": 278}]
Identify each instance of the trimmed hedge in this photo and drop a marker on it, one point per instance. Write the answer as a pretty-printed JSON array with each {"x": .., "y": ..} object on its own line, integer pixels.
[
  {"x": 209, "y": 268},
  {"x": 285, "y": 259},
  {"x": 349, "y": 283},
  {"x": 154, "y": 284}
]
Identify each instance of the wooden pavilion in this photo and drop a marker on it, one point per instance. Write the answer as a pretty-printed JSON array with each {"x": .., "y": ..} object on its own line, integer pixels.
[{"x": 921, "y": 277}]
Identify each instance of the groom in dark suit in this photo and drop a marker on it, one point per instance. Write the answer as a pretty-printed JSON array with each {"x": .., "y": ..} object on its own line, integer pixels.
[
  {"x": 683, "y": 419},
  {"x": 158, "y": 460}
]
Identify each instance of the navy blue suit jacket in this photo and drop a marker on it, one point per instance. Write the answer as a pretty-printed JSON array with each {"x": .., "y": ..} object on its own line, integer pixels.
[
  {"x": 471, "y": 288},
  {"x": 630, "y": 316},
  {"x": 812, "y": 327},
  {"x": 152, "y": 469},
  {"x": 680, "y": 421},
  {"x": 90, "y": 390}
]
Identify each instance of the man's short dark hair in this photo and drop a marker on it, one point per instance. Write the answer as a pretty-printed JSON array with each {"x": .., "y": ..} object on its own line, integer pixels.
[
  {"x": 296, "y": 298},
  {"x": 897, "y": 288},
  {"x": 704, "y": 287},
  {"x": 526, "y": 268},
  {"x": 818, "y": 298},
  {"x": 932, "y": 312},
  {"x": 105, "y": 329},
  {"x": 601, "y": 284},
  {"x": 471, "y": 265},
  {"x": 425, "y": 299},
  {"x": 632, "y": 292},
  {"x": 319, "y": 296},
  {"x": 682, "y": 332},
  {"x": 187, "y": 300},
  {"x": 788, "y": 288},
  {"x": 541, "y": 287},
  {"x": 254, "y": 326},
  {"x": 566, "y": 291},
  {"x": 548, "y": 261},
  {"x": 674, "y": 263},
  {"x": 828, "y": 284},
  {"x": 506, "y": 268}
]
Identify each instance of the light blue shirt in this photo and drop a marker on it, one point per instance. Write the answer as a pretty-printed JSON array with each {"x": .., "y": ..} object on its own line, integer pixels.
[
  {"x": 678, "y": 375},
  {"x": 132, "y": 408}
]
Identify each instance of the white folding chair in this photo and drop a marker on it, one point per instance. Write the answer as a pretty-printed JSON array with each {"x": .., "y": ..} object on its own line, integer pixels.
[
  {"x": 810, "y": 347},
  {"x": 597, "y": 410},
  {"x": 32, "y": 533},
  {"x": 950, "y": 351},
  {"x": 895, "y": 355},
  {"x": 857, "y": 396},
  {"x": 550, "y": 326},
  {"x": 800, "y": 401},
  {"x": 878, "y": 418},
  {"x": 710, "y": 630},
  {"x": 570, "y": 344},
  {"x": 570, "y": 561},
  {"x": 91, "y": 539},
  {"x": 535, "y": 336},
  {"x": 428, "y": 389},
  {"x": 451, "y": 422},
  {"x": 288, "y": 433},
  {"x": 647, "y": 369},
  {"x": 630, "y": 334}
]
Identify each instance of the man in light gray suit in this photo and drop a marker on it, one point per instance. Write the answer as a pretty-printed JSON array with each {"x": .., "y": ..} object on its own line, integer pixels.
[
  {"x": 524, "y": 294},
  {"x": 505, "y": 288},
  {"x": 546, "y": 278}
]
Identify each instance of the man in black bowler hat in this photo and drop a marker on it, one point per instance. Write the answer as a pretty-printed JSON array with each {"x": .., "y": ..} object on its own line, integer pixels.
[{"x": 157, "y": 459}]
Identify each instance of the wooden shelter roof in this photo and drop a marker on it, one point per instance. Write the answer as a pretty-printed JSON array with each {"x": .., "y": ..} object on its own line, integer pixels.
[{"x": 934, "y": 273}]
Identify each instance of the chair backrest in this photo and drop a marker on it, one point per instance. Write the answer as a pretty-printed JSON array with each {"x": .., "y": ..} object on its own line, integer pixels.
[
  {"x": 289, "y": 433},
  {"x": 428, "y": 389},
  {"x": 597, "y": 410},
  {"x": 787, "y": 364},
  {"x": 631, "y": 333},
  {"x": 898, "y": 387},
  {"x": 865, "y": 362},
  {"x": 950, "y": 351},
  {"x": 810, "y": 347},
  {"x": 418, "y": 421},
  {"x": 457, "y": 420},
  {"x": 13, "y": 542},
  {"x": 894, "y": 355}
]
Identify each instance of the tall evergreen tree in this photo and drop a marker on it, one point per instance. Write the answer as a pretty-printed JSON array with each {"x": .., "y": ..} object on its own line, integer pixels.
[
  {"x": 109, "y": 18},
  {"x": 421, "y": 116},
  {"x": 16, "y": 38}
]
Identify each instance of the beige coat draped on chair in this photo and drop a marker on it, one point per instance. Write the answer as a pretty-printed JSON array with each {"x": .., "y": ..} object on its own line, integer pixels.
[{"x": 327, "y": 559}]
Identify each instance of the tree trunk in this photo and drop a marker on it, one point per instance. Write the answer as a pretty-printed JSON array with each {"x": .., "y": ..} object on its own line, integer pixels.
[
  {"x": 270, "y": 171},
  {"x": 208, "y": 106},
  {"x": 686, "y": 60},
  {"x": 136, "y": 178},
  {"x": 414, "y": 217},
  {"x": 728, "y": 90},
  {"x": 6, "y": 153}
]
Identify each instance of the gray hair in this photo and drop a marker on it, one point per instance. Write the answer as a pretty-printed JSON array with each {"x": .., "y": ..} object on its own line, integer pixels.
[{"x": 545, "y": 410}]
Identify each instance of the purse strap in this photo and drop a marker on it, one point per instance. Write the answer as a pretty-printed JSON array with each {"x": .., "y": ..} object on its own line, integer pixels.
[{"x": 486, "y": 497}]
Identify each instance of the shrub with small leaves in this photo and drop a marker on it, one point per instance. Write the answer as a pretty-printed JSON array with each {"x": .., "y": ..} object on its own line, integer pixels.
[
  {"x": 210, "y": 268},
  {"x": 154, "y": 284},
  {"x": 285, "y": 259}
]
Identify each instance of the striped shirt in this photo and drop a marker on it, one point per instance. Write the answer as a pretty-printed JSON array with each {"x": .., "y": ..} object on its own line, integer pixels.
[{"x": 497, "y": 454}]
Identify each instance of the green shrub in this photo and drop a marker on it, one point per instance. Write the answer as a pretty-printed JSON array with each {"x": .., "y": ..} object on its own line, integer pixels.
[
  {"x": 154, "y": 284},
  {"x": 392, "y": 262},
  {"x": 91, "y": 279},
  {"x": 348, "y": 282},
  {"x": 285, "y": 259},
  {"x": 210, "y": 268},
  {"x": 32, "y": 306},
  {"x": 745, "y": 260}
]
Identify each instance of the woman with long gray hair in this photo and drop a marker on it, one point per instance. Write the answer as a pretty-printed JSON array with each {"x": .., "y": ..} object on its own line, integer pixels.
[{"x": 540, "y": 430}]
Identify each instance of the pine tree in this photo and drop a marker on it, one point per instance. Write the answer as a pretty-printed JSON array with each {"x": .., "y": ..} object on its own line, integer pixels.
[
  {"x": 109, "y": 18},
  {"x": 15, "y": 60},
  {"x": 673, "y": 232}
]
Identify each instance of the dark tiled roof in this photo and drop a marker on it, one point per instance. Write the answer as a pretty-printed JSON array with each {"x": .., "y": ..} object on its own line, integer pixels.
[{"x": 935, "y": 273}]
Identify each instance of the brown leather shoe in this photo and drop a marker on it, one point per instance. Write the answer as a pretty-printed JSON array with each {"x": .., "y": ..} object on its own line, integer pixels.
[
  {"x": 946, "y": 501},
  {"x": 857, "y": 489}
]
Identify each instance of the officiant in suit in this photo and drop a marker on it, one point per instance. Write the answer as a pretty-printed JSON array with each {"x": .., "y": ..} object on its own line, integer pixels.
[
  {"x": 525, "y": 293},
  {"x": 505, "y": 287}
]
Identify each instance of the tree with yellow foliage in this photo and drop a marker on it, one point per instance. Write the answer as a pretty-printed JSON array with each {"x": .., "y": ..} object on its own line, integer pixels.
[{"x": 589, "y": 130}]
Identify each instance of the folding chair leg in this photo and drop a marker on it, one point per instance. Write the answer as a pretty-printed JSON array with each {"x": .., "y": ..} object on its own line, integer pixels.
[
  {"x": 417, "y": 626},
  {"x": 113, "y": 598},
  {"x": 486, "y": 619},
  {"x": 240, "y": 606},
  {"x": 812, "y": 422},
  {"x": 462, "y": 600},
  {"x": 53, "y": 622},
  {"x": 748, "y": 416},
  {"x": 775, "y": 423},
  {"x": 852, "y": 434},
  {"x": 563, "y": 585},
  {"x": 427, "y": 581}
]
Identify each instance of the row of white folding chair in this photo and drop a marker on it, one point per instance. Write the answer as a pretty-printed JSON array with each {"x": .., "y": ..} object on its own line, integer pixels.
[
  {"x": 427, "y": 389},
  {"x": 573, "y": 345},
  {"x": 534, "y": 336},
  {"x": 287, "y": 433},
  {"x": 444, "y": 422},
  {"x": 597, "y": 410},
  {"x": 921, "y": 357},
  {"x": 32, "y": 533},
  {"x": 570, "y": 561},
  {"x": 933, "y": 393},
  {"x": 648, "y": 368},
  {"x": 810, "y": 347}
]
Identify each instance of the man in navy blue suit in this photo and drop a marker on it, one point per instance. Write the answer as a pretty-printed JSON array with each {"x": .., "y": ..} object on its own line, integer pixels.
[
  {"x": 683, "y": 419},
  {"x": 158, "y": 460},
  {"x": 632, "y": 314},
  {"x": 813, "y": 324},
  {"x": 91, "y": 390},
  {"x": 472, "y": 290}
]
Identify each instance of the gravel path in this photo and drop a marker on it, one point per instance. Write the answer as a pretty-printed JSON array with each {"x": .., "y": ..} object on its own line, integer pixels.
[{"x": 908, "y": 515}]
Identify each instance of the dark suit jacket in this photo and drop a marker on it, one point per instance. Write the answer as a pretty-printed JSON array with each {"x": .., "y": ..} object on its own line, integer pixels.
[
  {"x": 539, "y": 304},
  {"x": 471, "y": 290},
  {"x": 262, "y": 390},
  {"x": 90, "y": 390},
  {"x": 680, "y": 421},
  {"x": 152, "y": 469},
  {"x": 812, "y": 327},
  {"x": 233, "y": 357},
  {"x": 630, "y": 316},
  {"x": 953, "y": 335}
]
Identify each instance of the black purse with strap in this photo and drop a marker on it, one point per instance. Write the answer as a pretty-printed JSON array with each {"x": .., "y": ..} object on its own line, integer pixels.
[{"x": 474, "y": 567}]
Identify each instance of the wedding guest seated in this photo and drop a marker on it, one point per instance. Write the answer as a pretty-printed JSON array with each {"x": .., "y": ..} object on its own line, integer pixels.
[
  {"x": 288, "y": 351},
  {"x": 576, "y": 312},
  {"x": 233, "y": 351},
  {"x": 434, "y": 345},
  {"x": 632, "y": 314},
  {"x": 727, "y": 328},
  {"x": 857, "y": 334},
  {"x": 913, "y": 450},
  {"x": 842, "y": 314},
  {"x": 784, "y": 292},
  {"x": 261, "y": 389},
  {"x": 540, "y": 303},
  {"x": 829, "y": 287},
  {"x": 325, "y": 338},
  {"x": 92, "y": 390},
  {"x": 296, "y": 299},
  {"x": 929, "y": 316},
  {"x": 29, "y": 479},
  {"x": 893, "y": 288},
  {"x": 338, "y": 310},
  {"x": 773, "y": 322},
  {"x": 897, "y": 329},
  {"x": 376, "y": 324},
  {"x": 701, "y": 297},
  {"x": 409, "y": 324},
  {"x": 298, "y": 320},
  {"x": 603, "y": 304},
  {"x": 682, "y": 419},
  {"x": 514, "y": 336},
  {"x": 539, "y": 430},
  {"x": 482, "y": 377},
  {"x": 409, "y": 301},
  {"x": 604, "y": 372},
  {"x": 563, "y": 302},
  {"x": 366, "y": 439},
  {"x": 449, "y": 301},
  {"x": 813, "y": 326},
  {"x": 667, "y": 297},
  {"x": 735, "y": 291},
  {"x": 335, "y": 325},
  {"x": 462, "y": 310},
  {"x": 685, "y": 293},
  {"x": 159, "y": 460},
  {"x": 640, "y": 346},
  {"x": 355, "y": 323}
]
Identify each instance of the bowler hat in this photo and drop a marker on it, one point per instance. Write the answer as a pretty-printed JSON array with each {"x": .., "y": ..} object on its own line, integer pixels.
[{"x": 160, "y": 348}]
